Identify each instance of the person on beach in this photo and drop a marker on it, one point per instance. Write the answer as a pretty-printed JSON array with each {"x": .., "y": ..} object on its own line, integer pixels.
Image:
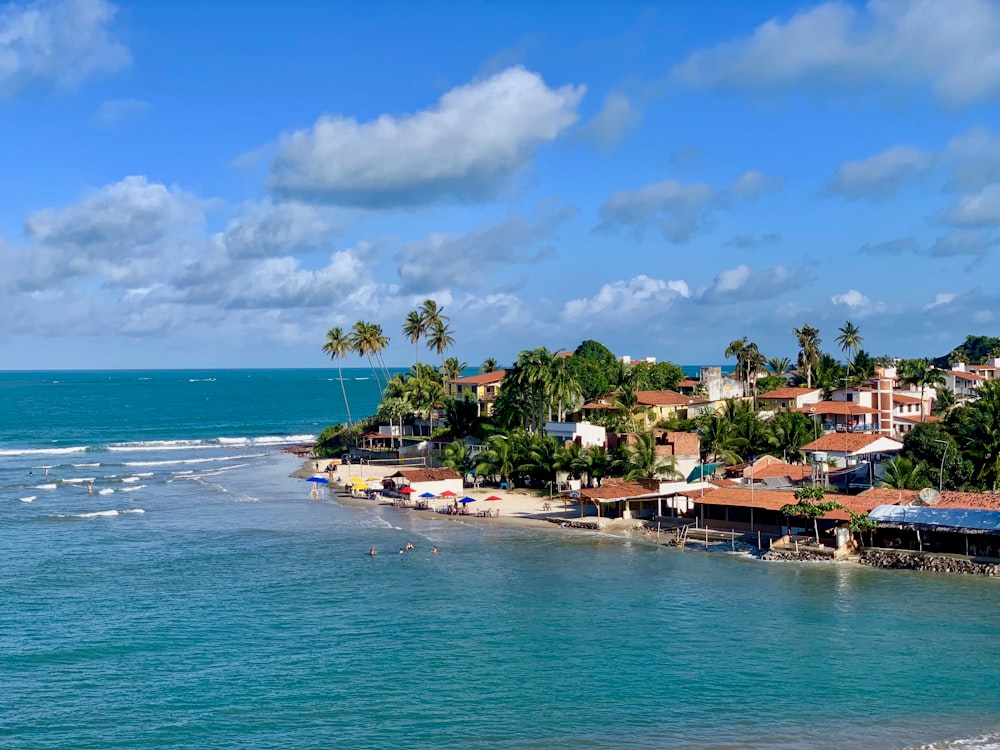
[{"x": 372, "y": 552}]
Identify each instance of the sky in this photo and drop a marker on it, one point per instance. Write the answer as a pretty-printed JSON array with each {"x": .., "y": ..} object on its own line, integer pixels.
[{"x": 193, "y": 184}]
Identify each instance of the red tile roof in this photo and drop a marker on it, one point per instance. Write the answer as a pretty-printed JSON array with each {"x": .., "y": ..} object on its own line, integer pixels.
[
  {"x": 742, "y": 497},
  {"x": 840, "y": 442},
  {"x": 965, "y": 375},
  {"x": 794, "y": 472},
  {"x": 689, "y": 383},
  {"x": 616, "y": 492},
  {"x": 425, "y": 475},
  {"x": 915, "y": 418},
  {"x": 483, "y": 378},
  {"x": 899, "y": 398},
  {"x": 949, "y": 498},
  {"x": 839, "y": 408}
]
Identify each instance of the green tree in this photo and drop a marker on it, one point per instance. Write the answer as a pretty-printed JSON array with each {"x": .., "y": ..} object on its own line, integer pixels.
[
  {"x": 563, "y": 388},
  {"x": 789, "y": 431},
  {"x": 930, "y": 444},
  {"x": 337, "y": 346},
  {"x": 901, "y": 473},
  {"x": 453, "y": 369},
  {"x": 413, "y": 329},
  {"x": 440, "y": 340},
  {"x": 779, "y": 365},
  {"x": 641, "y": 461},
  {"x": 456, "y": 456},
  {"x": 809, "y": 351},
  {"x": 918, "y": 373},
  {"x": 393, "y": 409},
  {"x": 489, "y": 365},
  {"x": 498, "y": 460},
  {"x": 364, "y": 344},
  {"x": 810, "y": 506},
  {"x": 850, "y": 339},
  {"x": 977, "y": 429}
]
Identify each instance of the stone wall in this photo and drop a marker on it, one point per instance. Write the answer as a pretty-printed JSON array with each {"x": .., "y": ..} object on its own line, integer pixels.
[
  {"x": 804, "y": 554},
  {"x": 901, "y": 560}
]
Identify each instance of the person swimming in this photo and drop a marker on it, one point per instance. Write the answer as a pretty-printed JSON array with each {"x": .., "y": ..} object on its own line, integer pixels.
[
  {"x": 372, "y": 552},
  {"x": 434, "y": 550},
  {"x": 401, "y": 550},
  {"x": 409, "y": 546}
]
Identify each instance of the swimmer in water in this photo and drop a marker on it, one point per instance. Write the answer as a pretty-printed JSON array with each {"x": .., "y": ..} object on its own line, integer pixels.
[
  {"x": 401, "y": 550},
  {"x": 409, "y": 546},
  {"x": 434, "y": 550},
  {"x": 372, "y": 552}
]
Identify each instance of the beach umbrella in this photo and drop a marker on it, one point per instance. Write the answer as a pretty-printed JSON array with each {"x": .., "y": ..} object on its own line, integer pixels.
[
  {"x": 427, "y": 495},
  {"x": 318, "y": 480},
  {"x": 372, "y": 479},
  {"x": 448, "y": 493},
  {"x": 492, "y": 498},
  {"x": 406, "y": 490},
  {"x": 466, "y": 500}
]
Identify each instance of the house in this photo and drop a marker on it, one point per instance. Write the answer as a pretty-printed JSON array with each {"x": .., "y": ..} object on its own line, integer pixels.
[
  {"x": 964, "y": 385},
  {"x": 482, "y": 388},
  {"x": 790, "y": 398},
  {"x": 683, "y": 447},
  {"x": 434, "y": 481},
  {"x": 658, "y": 405},
  {"x": 773, "y": 473},
  {"x": 584, "y": 433},
  {"x": 846, "y": 416},
  {"x": 989, "y": 370},
  {"x": 845, "y": 449}
]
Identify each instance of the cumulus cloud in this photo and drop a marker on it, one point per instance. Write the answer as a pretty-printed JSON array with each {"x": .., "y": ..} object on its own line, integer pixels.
[
  {"x": 677, "y": 209},
  {"x": 262, "y": 230},
  {"x": 954, "y": 48},
  {"x": 975, "y": 158},
  {"x": 57, "y": 41},
  {"x": 897, "y": 246},
  {"x": 959, "y": 243},
  {"x": 616, "y": 118},
  {"x": 881, "y": 175},
  {"x": 469, "y": 145},
  {"x": 752, "y": 184},
  {"x": 475, "y": 258},
  {"x": 980, "y": 209},
  {"x": 621, "y": 299},
  {"x": 741, "y": 283},
  {"x": 750, "y": 240},
  {"x": 857, "y": 303}
]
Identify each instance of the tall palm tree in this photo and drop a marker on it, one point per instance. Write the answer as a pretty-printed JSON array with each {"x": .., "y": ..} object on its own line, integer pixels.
[
  {"x": 918, "y": 372},
  {"x": 779, "y": 365},
  {"x": 789, "y": 431},
  {"x": 641, "y": 460},
  {"x": 850, "y": 340},
  {"x": 498, "y": 459},
  {"x": 809, "y": 341},
  {"x": 413, "y": 329},
  {"x": 628, "y": 402},
  {"x": 379, "y": 343},
  {"x": 440, "y": 340},
  {"x": 363, "y": 346},
  {"x": 489, "y": 365},
  {"x": 430, "y": 315},
  {"x": 753, "y": 362},
  {"x": 337, "y": 346},
  {"x": 563, "y": 387},
  {"x": 735, "y": 349}
]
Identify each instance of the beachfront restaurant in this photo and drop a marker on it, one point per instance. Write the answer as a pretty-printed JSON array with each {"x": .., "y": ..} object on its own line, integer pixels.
[
  {"x": 956, "y": 531},
  {"x": 620, "y": 500},
  {"x": 421, "y": 481}
]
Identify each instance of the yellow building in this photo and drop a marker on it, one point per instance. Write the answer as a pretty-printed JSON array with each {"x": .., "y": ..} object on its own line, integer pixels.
[{"x": 482, "y": 388}]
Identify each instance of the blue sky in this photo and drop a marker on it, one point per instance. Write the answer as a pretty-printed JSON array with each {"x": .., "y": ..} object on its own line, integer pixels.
[{"x": 193, "y": 184}]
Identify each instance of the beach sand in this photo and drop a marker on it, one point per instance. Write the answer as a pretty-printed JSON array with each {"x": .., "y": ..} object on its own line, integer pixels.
[{"x": 516, "y": 507}]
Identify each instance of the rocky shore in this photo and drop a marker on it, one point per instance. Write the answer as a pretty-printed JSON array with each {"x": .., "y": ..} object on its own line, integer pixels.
[{"x": 880, "y": 558}]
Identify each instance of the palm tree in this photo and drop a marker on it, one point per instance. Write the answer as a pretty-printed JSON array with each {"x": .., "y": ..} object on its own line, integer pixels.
[
  {"x": 489, "y": 365},
  {"x": 917, "y": 372},
  {"x": 809, "y": 341},
  {"x": 498, "y": 459},
  {"x": 338, "y": 345},
  {"x": 980, "y": 439},
  {"x": 362, "y": 343},
  {"x": 413, "y": 329},
  {"x": 379, "y": 343},
  {"x": 790, "y": 430},
  {"x": 528, "y": 385},
  {"x": 641, "y": 460},
  {"x": 903, "y": 474},
  {"x": 779, "y": 365},
  {"x": 753, "y": 363},
  {"x": 628, "y": 402},
  {"x": 431, "y": 314},
  {"x": 457, "y": 457},
  {"x": 453, "y": 369},
  {"x": 440, "y": 340},
  {"x": 563, "y": 387},
  {"x": 735, "y": 349},
  {"x": 850, "y": 339}
]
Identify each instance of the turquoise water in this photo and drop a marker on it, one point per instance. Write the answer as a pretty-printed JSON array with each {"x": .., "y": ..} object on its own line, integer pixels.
[{"x": 232, "y": 612}]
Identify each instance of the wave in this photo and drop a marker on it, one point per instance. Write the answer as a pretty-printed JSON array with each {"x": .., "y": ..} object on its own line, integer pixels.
[
  {"x": 28, "y": 499},
  {"x": 133, "y": 489},
  {"x": 145, "y": 474},
  {"x": 218, "y": 442},
  {"x": 85, "y": 466},
  {"x": 201, "y": 380},
  {"x": 48, "y": 486},
  {"x": 78, "y": 480},
  {"x": 133, "y": 510},
  {"x": 95, "y": 514},
  {"x": 361, "y": 378},
  {"x": 106, "y": 491},
  {"x": 130, "y": 480},
  {"x": 43, "y": 451},
  {"x": 193, "y": 460},
  {"x": 989, "y": 741}
]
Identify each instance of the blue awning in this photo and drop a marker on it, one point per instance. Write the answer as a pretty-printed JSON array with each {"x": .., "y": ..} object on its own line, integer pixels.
[
  {"x": 937, "y": 519},
  {"x": 702, "y": 470}
]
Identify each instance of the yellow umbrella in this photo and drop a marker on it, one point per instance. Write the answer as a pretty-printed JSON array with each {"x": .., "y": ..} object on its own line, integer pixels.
[{"x": 373, "y": 479}]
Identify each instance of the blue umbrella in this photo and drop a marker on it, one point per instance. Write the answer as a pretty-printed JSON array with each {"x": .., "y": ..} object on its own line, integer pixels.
[
  {"x": 467, "y": 499},
  {"x": 318, "y": 480},
  {"x": 428, "y": 495}
]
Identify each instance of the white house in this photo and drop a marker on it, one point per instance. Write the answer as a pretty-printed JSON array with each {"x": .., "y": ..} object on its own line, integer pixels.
[
  {"x": 584, "y": 433},
  {"x": 849, "y": 448}
]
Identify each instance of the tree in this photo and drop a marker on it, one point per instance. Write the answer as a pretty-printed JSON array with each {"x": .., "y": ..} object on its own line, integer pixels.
[
  {"x": 715, "y": 433},
  {"x": 789, "y": 431},
  {"x": 737, "y": 349},
  {"x": 452, "y": 369},
  {"x": 808, "y": 509},
  {"x": 977, "y": 429},
  {"x": 641, "y": 461},
  {"x": 363, "y": 343},
  {"x": 489, "y": 365},
  {"x": 456, "y": 456},
  {"x": 809, "y": 341},
  {"x": 440, "y": 340},
  {"x": 413, "y": 329},
  {"x": 563, "y": 389},
  {"x": 779, "y": 365},
  {"x": 903, "y": 474},
  {"x": 337, "y": 346},
  {"x": 931, "y": 444},
  {"x": 393, "y": 409},
  {"x": 828, "y": 374},
  {"x": 850, "y": 339},
  {"x": 916, "y": 372},
  {"x": 498, "y": 460}
]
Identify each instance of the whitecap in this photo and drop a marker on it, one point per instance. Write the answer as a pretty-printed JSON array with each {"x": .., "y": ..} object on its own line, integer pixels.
[
  {"x": 145, "y": 474},
  {"x": 134, "y": 510},
  {"x": 194, "y": 460},
  {"x": 29, "y": 499},
  {"x": 130, "y": 480},
  {"x": 106, "y": 491},
  {"x": 95, "y": 514},
  {"x": 50, "y": 486},
  {"x": 78, "y": 480},
  {"x": 43, "y": 451},
  {"x": 85, "y": 466},
  {"x": 133, "y": 488}
]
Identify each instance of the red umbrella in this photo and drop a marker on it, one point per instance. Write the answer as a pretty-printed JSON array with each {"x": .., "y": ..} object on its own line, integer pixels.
[
  {"x": 448, "y": 493},
  {"x": 491, "y": 498},
  {"x": 406, "y": 490}
]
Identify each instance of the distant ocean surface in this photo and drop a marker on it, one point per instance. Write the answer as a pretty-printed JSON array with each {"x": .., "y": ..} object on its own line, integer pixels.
[{"x": 199, "y": 599}]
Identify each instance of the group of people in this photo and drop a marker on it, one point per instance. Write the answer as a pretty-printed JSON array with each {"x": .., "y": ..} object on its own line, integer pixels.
[{"x": 402, "y": 550}]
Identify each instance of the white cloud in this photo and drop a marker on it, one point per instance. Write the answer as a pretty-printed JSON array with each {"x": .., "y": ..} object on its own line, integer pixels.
[
  {"x": 980, "y": 209},
  {"x": 119, "y": 112},
  {"x": 615, "y": 119},
  {"x": 475, "y": 258},
  {"x": 678, "y": 209},
  {"x": 942, "y": 298},
  {"x": 59, "y": 41},
  {"x": 263, "y": 230},
  {"x": 621, "y": 299},
  {"x": 752, "y": 184},
  {"x": 739, "y": 284},
  {"x": 881, "y": 175},
  {"x": 975, "y": 156},
  {"x": 959, "y": 243},
  {"x": 857, "y": 303},
  {"x": 897, "y": 246},
  {"x": 467, "y": 146},
  {"x": 953, "y": 47}
]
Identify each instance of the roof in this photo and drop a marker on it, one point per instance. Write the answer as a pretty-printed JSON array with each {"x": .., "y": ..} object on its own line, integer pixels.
[
  {"x": 965, "y": 375},
  {"x": 425, "y": 475},
  {"x": 611, "y": 493},
  {"x": 483, "y": 378},
  {"x": 848, "y": 442},
  {"x": 949, "y": 498},
  {"x": 915, "y": 418},
  {"x": 646, "y": 398},
  {"x": 937, "y": 519},
  {"x": 689, "y": 383},
  {"x": 743, "y": 497},
  {"x": 789, "y": 392},
  {"x": 795, "y": 472},
  {"x": 839, "y": 408},
  {"x": 902, "y": 398}
]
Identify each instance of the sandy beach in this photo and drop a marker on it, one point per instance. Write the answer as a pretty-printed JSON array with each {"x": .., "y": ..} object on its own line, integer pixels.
[{"x": 519, "y": 507}]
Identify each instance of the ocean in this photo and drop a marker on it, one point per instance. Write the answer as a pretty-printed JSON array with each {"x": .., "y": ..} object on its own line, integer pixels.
[{"x": 198, "y": 598}]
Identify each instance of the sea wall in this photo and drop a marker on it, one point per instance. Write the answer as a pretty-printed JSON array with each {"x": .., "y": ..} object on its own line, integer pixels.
[
  {"x": 901, "y": 560},
  {"x": 803, "y": 554}
]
